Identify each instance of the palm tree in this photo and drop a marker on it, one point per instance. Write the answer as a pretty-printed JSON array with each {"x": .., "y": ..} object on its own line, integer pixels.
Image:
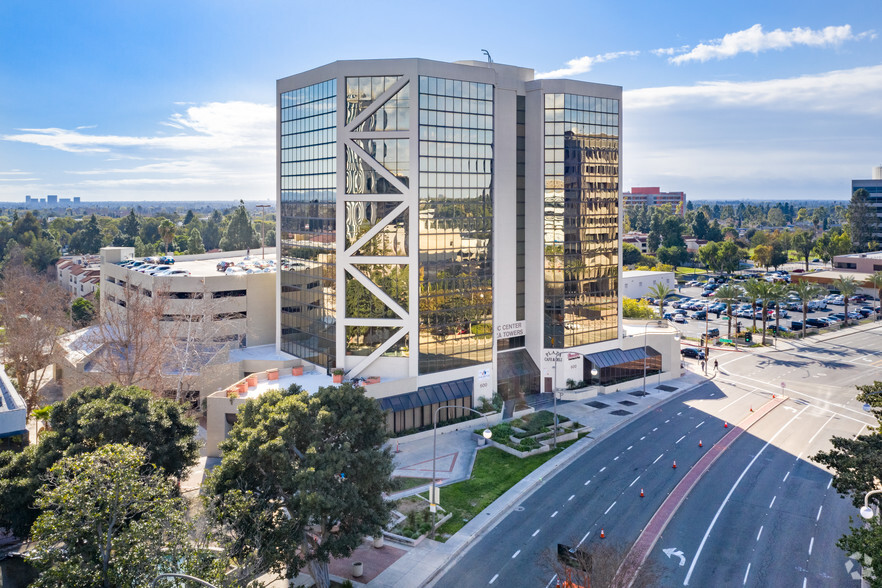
[
  {"x": 778, "y": 294},
  {"x": 753, "y": 292},
  {"x": 847, "y": 286},
  {"x": 167, "y": 232},
  {"x": 728, "y": 294},
  {"x": 876, "y": 278},
  {"x": 765, "y": 291},
  {"x": 806, "y": 291},
  {"x": 660, "y": 292}
]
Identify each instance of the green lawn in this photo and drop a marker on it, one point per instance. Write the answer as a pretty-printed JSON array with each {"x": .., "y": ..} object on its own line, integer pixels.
[
  {"x": 403, "y": 483},
  {"x": 493, "y": 474}
]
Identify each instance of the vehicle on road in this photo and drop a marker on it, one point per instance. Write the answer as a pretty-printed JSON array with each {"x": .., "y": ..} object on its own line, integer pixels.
[
  {"x": 795, "y": 325},
  {"x": 679, "y": 318},
  {"x": 692, "y": 352},
  {"x": 816, "y": 322}
]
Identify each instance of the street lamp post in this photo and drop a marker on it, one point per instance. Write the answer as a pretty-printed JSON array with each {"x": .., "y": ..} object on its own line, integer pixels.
[
  {"x": 263, "y": 208},
  {"x": 182, "y": 576},
  {"x": 487, "y": 434},
  {"x": 645, "y": 329},
  {"x": 867, "y": 510}
]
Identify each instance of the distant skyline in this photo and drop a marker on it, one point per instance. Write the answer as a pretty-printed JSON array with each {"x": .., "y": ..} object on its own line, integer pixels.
[{"x": 171, "y": 100}]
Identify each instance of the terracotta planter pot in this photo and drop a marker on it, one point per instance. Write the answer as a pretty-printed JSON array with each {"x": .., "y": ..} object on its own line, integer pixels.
[
  {"x": 297, "y": 371},
  {"x": 272, "y": 374},
  {"x": 242, "y": 387},
  {"x": 338, "y": 379},
  {"x": 251, "y": 381}
]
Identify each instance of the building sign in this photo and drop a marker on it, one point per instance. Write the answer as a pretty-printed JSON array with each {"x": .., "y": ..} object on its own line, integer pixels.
[
  {"x": 483, "y": 385},
  {"x": 509, "y": 330}
]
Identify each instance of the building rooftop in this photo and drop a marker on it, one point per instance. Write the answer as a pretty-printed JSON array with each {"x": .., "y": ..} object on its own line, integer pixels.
[
  {"x": 868, "y": 255},
  {"x": 205, "y": 266}
]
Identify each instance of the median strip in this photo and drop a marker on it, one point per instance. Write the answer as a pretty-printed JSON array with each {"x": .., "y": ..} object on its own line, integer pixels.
[{"x": 646, "y": 541}]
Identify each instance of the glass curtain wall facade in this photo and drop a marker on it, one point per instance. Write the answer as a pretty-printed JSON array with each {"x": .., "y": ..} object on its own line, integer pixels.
[
  {"x": 307, "y": 222},
  {"x": 581, "y": 220},
  {"x": 455, "y": 216}
]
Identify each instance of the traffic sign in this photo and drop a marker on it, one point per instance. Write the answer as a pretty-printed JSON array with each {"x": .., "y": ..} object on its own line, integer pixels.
[{"x": 725, "y": 340}]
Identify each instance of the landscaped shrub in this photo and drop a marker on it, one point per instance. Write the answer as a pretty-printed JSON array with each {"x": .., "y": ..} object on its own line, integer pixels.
[{"x": 529, "y": 444}]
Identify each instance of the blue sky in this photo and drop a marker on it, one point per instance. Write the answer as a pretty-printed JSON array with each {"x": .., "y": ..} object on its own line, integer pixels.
[{"x": 173, "y": 100}]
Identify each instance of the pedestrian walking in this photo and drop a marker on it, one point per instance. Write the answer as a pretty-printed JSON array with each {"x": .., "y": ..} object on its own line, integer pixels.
[
  {"x": 703, "y": 366},
  {"x": 716, "y": 365}
]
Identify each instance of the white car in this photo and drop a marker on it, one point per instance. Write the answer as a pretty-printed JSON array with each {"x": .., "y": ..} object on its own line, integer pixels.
[{"x": 173, "y": 272}]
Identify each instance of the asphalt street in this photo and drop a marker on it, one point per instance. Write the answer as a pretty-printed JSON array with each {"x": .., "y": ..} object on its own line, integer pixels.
[{"x": 762, "y": 515}]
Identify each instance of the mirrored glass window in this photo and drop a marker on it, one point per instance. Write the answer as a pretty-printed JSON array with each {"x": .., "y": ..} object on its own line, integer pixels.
[
  {"x": 307, "y": 222},
  {"x": 456, "y": 211},
  {"x": 581, "y": 220}
]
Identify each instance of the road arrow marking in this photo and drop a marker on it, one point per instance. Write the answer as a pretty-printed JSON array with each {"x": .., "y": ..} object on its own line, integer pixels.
[{"x": 675, "y": 552}]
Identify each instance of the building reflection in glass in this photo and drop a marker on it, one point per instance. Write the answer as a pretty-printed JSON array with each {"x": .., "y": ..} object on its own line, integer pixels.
[
  {"x": 581, "y": 220},
  {"x": 307, "y": 222},
  {"x": 455, "y": 216}
]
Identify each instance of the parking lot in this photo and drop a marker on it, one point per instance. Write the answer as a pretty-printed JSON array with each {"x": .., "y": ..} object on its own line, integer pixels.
[{"x": 694, "y": 327}]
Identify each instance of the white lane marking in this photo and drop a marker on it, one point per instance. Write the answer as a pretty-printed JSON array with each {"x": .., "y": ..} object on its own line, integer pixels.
[
  {"x": 516, "y": 553},
  {"x": 828, "y": 483},
  {"x": 659, "y": 457},
  {"x": 655, "y": 429},
  {"x": 634, "y": 482},
  {"x": 583, "y": 539},
  {"x": 819, "y": 430},
  {"x": 757, "y": 535},
  {"x": 554, "y": 514},
  {"x": 610, "y": 507},
  {"x": 536, "y": 532},
  {"x": 588, "y": 482},
  {"x": 571, "y": 497},
  {"x": 667, "y": 421},
  {"x": 616, "y": 458},
  {"x": 493, "y": 579},
  {"x": 601, "y": 469},
  {"x": 680, "y": 439},
  {"x": 820, "y": 508},
  {"x": 785, "y": 477},
  {"x": 629, "y": 448},
  {"x": 643, "y": 437},
  {"x": 773, "y": 501},
  {"x": 699, "y": 424},
  {"x": 804, "y": 582},
  {"x": 747, "y": 571},
  {"x": 679, "y": 413},
  {"x": 732, "y": 491},
  {"x": 811, "y": 544},
  {"x": 737, "y": 399}
]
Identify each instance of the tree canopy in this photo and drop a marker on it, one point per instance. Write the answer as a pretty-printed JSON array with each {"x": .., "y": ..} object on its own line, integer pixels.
[
  {"x": 315, "y": 467},
  {"x": 88, "y": 419},
  {"x": 240, "y": 232}
]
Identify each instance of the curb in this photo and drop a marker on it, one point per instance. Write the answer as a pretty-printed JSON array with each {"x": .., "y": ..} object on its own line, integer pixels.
[{"x": 542, "y": 474}]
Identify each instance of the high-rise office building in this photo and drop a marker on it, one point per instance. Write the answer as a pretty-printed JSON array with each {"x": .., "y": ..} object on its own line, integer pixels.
[
  {"x": 450, "y": 227},
  {"x": 874, "y": 189}
]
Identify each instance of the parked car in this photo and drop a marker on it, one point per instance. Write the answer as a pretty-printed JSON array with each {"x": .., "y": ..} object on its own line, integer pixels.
[
  {"x": 816, "y": 322},
  {"x": 795, "y": 325},
  {"x": 155, "y": 270},
  {"x": 173, "y": 272},
  {"x": 715, "y": 332},
  {"x": 668, "y": 316},
  {"x": 167, "y": 259},
  {"x": 781, "y": 329},
  {"x": 223, "y": 265},
  {"x": 692, "y": 352},
  {"x": 679, "y": 318},
  {"x": 699, "y": 315}
]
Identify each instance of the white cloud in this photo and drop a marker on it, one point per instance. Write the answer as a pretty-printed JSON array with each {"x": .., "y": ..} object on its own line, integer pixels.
[
  {"x": 584, "y": 64},
  {"x": 219, "y": 150},
  {"x": 670, "y": 50},
  {"x": 852, "y": 91},
  {"x": 755, "y": 40}
]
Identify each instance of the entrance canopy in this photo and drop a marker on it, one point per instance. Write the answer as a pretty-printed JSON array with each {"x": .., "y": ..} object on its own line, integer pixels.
[
  {"x": 428, "y": 395},
  {"x": 604, "y": 359}
]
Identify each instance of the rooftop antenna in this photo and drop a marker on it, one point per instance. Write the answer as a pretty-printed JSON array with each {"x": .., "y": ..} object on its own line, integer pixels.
[{"x": 487, "y": 53}]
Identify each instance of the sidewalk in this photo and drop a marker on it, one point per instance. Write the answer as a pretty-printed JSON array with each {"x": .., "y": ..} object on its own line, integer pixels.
[{"x": 604, "y": 414}]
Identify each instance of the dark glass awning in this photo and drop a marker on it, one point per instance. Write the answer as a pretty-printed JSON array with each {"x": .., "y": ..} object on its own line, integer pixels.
[
  {"x": 604, "y": 359},
  {"x": 428, "y": 395},
  {"x": 513, "y": 364}
]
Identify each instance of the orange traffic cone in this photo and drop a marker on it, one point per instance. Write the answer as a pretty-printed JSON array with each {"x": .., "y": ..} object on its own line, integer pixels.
[
  {"x": 699, "y": 443},
  {"x": 773, "y": 395},
  {"x": 751, "y": 409},
  {"x": 602, "y": 536},
  {"x": 726, "y": 425},
  {"x": 675, "y": 464},
  {"x": 641, "y": 493}
]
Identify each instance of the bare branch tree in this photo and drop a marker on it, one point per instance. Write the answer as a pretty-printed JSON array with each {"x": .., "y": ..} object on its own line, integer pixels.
[
  {"x": 595, "y": 565},
  {"x": 33, "y": 317},
  {"x": 132, "y": 347}
]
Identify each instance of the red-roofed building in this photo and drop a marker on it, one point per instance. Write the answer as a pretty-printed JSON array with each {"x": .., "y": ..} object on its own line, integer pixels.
[{"x": 653, "y": 196}]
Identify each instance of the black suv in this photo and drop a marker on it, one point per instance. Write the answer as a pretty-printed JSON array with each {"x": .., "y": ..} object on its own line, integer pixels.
[{"x": 692, "y": 352}]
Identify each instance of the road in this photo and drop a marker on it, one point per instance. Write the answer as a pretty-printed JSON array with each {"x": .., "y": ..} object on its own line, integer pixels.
[{"x": 763, "y": 514}]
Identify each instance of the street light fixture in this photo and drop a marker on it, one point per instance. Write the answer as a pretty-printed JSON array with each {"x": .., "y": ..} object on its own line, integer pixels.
[
  {"x": 867, "y": 510},
  {"x": 487, "y": 434}
]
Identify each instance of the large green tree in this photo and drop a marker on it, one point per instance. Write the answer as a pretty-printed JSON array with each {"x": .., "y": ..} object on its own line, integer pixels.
[
  {"x": 88, "y": 419},
  {"x": 167, "y": 232},
  {"x": 804, "y": 243},
  {"x": 728, "y": 294},
  {"x": 314, "y": 467},
  {"x": 240, "y": 232},
  {"x": 108, "y": 518},
  {"x": 660, "y": 292},
  {"x": 861, "y": 219}
]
